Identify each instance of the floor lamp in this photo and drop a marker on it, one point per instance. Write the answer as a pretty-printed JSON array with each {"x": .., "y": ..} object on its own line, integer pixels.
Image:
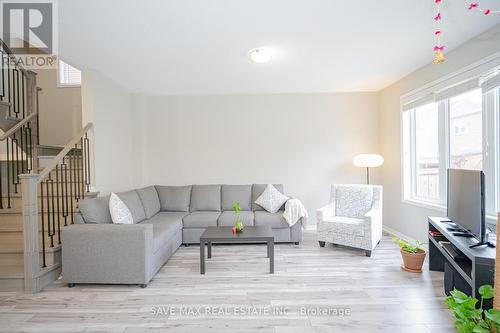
[{"x": 368, "y": 161}]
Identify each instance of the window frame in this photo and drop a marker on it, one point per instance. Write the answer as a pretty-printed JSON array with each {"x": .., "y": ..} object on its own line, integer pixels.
[
  {"x": 490, "y": 152},
  {"x": 62, "y": 84}
]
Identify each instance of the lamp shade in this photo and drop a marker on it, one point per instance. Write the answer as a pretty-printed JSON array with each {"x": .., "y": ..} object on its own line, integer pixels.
[{"x": 368, "y": 160}]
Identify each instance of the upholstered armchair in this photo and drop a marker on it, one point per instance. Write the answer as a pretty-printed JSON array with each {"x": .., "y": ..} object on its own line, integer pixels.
[{"x": 353, "y": 217}]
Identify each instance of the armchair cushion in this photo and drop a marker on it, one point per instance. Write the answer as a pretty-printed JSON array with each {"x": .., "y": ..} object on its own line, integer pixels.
[
  {"x": 344, "y": 225},
  {"x": 353, "y": 200}
]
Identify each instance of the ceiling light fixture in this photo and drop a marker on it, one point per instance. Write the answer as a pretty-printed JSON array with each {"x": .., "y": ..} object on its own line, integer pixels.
[{"x": 261, "y": 55}]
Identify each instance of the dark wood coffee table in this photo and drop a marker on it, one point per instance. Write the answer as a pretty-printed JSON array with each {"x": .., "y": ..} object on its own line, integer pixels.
[{"x": 225, "y": 235}]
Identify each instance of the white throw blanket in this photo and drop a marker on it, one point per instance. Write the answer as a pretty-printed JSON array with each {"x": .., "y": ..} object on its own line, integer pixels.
[{"x": 294, "y": 211}]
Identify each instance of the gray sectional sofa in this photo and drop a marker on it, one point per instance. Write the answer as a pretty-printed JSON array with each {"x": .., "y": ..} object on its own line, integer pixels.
[{"x": 94, "y": 250}]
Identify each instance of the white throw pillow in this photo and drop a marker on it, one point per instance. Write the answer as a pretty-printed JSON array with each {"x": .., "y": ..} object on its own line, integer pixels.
[
  {"x": 120, "y": 214},
  {"x": 271, "y": 199}
]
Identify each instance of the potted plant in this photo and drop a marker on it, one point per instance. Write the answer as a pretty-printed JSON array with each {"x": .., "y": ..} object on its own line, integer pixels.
[
  {"x": 238, "y": 226},
  {"x": 413, "y": 254},
  {"x": 469, "y": 318}
]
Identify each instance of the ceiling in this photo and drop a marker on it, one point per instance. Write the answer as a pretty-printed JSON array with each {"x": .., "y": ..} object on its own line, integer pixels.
[{"x": 198, "y": 47}]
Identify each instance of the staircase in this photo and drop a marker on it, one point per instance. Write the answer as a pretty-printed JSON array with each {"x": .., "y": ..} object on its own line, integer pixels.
[{"x": 40, "y": 186}]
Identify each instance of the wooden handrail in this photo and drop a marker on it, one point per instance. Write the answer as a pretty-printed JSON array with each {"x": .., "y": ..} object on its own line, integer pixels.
[
  {"x": 17, "y": 126},
  {"x": 56, "y": 160}
]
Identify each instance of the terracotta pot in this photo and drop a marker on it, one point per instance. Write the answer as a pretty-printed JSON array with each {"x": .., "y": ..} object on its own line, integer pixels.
[{"x": 413, "y": 261}]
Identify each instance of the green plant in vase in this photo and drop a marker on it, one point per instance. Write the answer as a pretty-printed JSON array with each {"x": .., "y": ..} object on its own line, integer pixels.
[{"x": 238, "y": 226}]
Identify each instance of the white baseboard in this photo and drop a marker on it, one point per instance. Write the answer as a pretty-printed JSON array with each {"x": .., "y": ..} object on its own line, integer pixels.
[{"x": 397, "y": 234}]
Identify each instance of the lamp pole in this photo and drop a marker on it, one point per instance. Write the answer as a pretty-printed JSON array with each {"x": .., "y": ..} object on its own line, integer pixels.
[{"x": 367, "y": 175}]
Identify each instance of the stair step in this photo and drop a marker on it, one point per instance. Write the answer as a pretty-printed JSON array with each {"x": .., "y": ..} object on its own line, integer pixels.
[
  {"x": 15, "y": 257},
  {"x": 11, "y": 278},
  {"x": 11, "y": 241},
  {"x": 44, "y": 151},
  {"x": 16, "y": 201},
  {"x": 10, "y": 221},
  {"x": 14, "y": 271}
]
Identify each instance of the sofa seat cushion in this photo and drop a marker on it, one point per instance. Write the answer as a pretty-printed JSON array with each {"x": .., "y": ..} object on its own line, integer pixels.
[
  {"x": 201, "y": 219},
  {"x": 165, "y": 226},
  {"x": 205, "y": 198},
  {"x": 274, "y": 220},
  {"x": 228, "y": 219},
  {"x": 240, "y": 193}
]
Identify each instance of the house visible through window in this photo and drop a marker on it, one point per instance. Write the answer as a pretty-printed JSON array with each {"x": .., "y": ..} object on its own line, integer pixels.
[
  {"x": 69, "y": 76},
  {"x": 466, "y": 141},
  {"x": 427, "y": 152}
]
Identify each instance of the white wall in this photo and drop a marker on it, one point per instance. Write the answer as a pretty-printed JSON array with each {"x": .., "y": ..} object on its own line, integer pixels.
[
  {"x": 60, "y": 110},
  {"x": 111, "y": 109},
  {"x": 305, "y": 141},
  {"x": 406, "y": 218}
]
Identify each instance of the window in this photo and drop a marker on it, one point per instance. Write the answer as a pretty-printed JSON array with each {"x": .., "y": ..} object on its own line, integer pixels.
[
  {"x": 427, "y": 152},
  {"x": 69, "y": 76},
  {"x": 466, "y": 136},
  {"x": 454, "y": 128}
]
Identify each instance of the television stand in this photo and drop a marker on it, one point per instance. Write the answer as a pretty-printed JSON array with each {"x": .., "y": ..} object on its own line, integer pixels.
[{"x": 472, "y": 266}]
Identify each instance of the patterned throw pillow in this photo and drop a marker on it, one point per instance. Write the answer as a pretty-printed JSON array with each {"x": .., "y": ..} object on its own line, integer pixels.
[
  {"x": 271, "y": 199},
  {"x": 120, "y": 214}
]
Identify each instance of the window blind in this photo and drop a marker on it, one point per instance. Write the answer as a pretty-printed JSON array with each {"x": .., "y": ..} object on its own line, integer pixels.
[
  {"x": 491, "y": 83},
  {"x": 69, "y": 75},
  {"x": 458, "y": 89},
  {"x": 429, "y": 98}
]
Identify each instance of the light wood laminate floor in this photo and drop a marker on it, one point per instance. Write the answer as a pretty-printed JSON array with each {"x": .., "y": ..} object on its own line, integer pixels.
[{"x": 374, "y": 293}]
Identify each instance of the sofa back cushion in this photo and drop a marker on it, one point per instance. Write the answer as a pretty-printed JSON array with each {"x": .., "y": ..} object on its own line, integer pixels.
[
  {"x": 206, "y": 198},
  {"x": 150, "y": 201},
  {"x": 133, "y": 202},
  {"x": 95, "y": 210},
  {"x": 240, "y": 193},
  {"x": 174, "y": 198},
  {"x": 258, "y": 189}
]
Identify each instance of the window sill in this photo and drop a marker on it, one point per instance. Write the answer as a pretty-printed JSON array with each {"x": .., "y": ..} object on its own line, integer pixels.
[
  {"x": 490, "y": 219},
  {"x": 424, "y": 204},
  {"x": 61, "y": 85}
]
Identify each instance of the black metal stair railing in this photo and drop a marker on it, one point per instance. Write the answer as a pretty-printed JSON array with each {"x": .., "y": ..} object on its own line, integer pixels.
[
  {"x": 62, "y": 185},
  {"x": 19, "y": 123}
]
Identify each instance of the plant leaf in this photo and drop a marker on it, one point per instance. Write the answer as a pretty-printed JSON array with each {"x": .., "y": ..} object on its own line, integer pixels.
[
  {"x": 486, "y": 291},
  {"x": 459, "y": 296},
  {"x": 493, "y": 315}
]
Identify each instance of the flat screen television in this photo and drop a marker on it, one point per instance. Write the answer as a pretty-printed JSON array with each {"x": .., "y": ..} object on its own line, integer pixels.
[{"x": 466, "y": 201}]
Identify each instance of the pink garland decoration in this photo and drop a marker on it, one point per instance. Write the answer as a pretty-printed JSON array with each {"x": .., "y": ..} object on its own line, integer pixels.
[
  {"x": 438, "y": 47},
  {"x": 477, "y": 6}
]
